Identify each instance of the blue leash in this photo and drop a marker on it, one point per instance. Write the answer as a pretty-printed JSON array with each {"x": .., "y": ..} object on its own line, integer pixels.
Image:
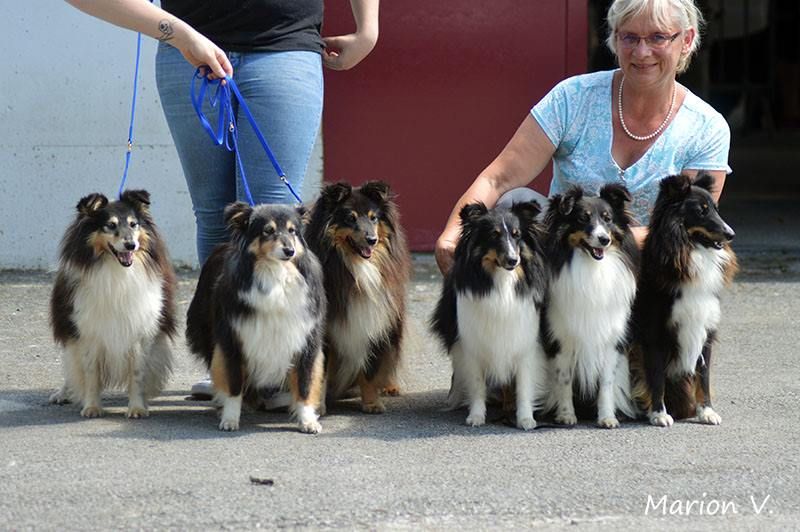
[
  {"x": 133, "y": 113},
  {"x": 228, "y": 136}
]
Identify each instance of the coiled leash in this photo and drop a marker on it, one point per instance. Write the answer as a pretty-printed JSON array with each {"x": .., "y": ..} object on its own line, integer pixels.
[
  {"x": 224, "y": 136},
  {"x": 227, "y": 134}
]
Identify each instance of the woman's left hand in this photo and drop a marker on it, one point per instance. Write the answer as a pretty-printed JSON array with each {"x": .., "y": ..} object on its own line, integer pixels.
[{"x": 343, "y": 52}]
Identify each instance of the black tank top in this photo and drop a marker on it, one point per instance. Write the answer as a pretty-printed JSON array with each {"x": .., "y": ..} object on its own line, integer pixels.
[{"x": 254, "y": 25}]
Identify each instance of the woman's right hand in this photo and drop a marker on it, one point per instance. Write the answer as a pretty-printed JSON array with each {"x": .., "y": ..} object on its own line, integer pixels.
[{"x": 201, "y": 52}]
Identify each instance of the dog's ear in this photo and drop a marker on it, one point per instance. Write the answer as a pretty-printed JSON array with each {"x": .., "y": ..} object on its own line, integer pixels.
[
  {"x": 336, "y": 193},
  {"x": 237, "y": 217},
  {"x": 303, "y": 213},
  {"x": 616, "y": 195},
  {"x": 377, "y": 191},
  {"x": 527, "y": 211},
  {"x": 89, "y": 205},
  {"x": 139, "y": 199},
  {"x": 567, "y": 202},
  {"x": 676, "y": 186},
  {"x": 705, "y": 181},
  {"x": 472, "y": 211}
]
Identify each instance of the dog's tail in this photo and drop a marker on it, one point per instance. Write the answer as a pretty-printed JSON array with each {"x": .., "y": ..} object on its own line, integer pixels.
[
  {"x": 157, "y": 365},
  {"x": 457, "y": 396},
  {"x": 640, "y": 392},
  {"x": 623, "y": 395},
  {"x": 679, "y": 396}
]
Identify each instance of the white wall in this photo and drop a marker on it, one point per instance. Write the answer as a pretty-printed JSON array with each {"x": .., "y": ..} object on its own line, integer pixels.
[{"x": 65, "y": 96}]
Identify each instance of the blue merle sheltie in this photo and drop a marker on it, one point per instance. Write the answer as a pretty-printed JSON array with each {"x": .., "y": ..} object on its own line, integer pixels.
[
  {"x": 686, "y": 262},
  {"x": 112, "y": 305},
  {"x": 593, "y": 263},
  {"x": 357, "y": 236},
  {"x": 488, "y": 314},
  {"x": 257, "y": 315}
]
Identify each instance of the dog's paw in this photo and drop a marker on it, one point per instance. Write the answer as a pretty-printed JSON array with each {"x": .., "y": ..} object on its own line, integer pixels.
[
  {"x": 310, "y": 427},
  {"x": 92, "y": 411},
  {"x": 137, "y": 412},
  {"x": 608, "y": 423},
  {"x": 229, "y": 425},
  {"x": 476, "y": 420},
  {"x": 392, "y": 390},
  {"x": 707, "y": 416},
  {"x": 566, "y": 418},
  {"x": 373, "y": 408},
  {"x": 526, "y": 423},
  {"x": 59, "y": 398},
  {"x": 660, "y": 419}
]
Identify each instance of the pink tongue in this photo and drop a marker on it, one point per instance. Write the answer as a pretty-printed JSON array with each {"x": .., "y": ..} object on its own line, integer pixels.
[
  {"x": 126, "y": 258},
  {"x": 366, "y": 252}
]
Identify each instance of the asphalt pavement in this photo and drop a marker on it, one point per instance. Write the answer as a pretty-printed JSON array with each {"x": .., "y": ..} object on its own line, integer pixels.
[{"x": 416, "y": 466}]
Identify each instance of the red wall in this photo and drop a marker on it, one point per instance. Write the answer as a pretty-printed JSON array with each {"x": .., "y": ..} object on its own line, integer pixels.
[{"x": 441, "y": 94}]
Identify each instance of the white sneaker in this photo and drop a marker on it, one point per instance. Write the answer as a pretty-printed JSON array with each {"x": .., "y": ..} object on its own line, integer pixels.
[{"x": 203, "y": 389}]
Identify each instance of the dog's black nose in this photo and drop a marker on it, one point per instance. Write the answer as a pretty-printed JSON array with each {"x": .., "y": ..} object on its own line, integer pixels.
[
  {"x": 130, "y": 246},
  {"x": 604, "y": 240},
  {"x": 289, "y": 252},
  {"x": 372, "y": 240},
  {"x": 511, "y": 262},
  {"x": 729, "y": 233}
]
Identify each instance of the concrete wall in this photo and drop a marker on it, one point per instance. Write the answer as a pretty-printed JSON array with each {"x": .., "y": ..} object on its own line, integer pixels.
[{"x": 65, "y": 96}]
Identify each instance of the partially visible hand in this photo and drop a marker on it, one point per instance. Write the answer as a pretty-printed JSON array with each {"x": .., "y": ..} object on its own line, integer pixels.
[
  {"x": 343, "y": 52},
  {"x": 444, "y": 251},
  {"x": 639, "y": 234},
  {"x": 201, "y": 52}
]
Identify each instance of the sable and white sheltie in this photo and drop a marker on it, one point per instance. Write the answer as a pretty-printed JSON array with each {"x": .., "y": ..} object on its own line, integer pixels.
[
  {"x": 686, "y": 262},
  {"x": 488, "y": 314},
  {"x": 593, "y": 262},
  {"x": 112, "y": 304},
  {"x": 257, "y": 315},
  {"x": 356, "y": 234}
]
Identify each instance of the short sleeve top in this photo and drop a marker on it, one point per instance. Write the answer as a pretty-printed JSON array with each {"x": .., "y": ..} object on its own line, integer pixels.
[
  {"x": 254, "y": 25},
  {"x": 576, "y": 117}
]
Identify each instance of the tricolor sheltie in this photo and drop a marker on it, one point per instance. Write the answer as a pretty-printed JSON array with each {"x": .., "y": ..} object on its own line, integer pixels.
[
  {"x": 257, "y": 315},
  {"x": 488, "y": 313},
  {"x": 112, "y": 304},
  {"x": 356, "y": 234},
  {"x": 686, "y": 262},
  {"x": 593, "y": 262}
]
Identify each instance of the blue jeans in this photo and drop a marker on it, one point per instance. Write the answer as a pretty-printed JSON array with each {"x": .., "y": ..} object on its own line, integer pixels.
[{"x": 284, "y": 92}]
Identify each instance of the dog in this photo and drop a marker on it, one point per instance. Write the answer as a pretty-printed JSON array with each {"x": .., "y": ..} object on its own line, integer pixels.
[
  {"x": 112, "y": 306},
  {"x": 258, "y": 313},
  {"x": 488, "y": 314},
  {"x": 593, "y": 262},
  {"x": 357, "y": 236},
  {"x": 686, "y": 262}
]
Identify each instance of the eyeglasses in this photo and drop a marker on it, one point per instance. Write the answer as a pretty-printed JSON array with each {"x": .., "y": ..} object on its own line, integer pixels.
[{"x": 654, "y": 41}]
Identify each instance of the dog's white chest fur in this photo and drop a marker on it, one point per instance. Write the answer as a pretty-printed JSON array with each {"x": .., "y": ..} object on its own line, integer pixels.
[
  {"x": 279, "y": 327},
  {"x": 498, "y": 328},
  {"x": 590, "y": 303},
  {"x": 116, "y": 307},
  {"x": 368, "y": 319},
  {"x": 697, "y": 310}
]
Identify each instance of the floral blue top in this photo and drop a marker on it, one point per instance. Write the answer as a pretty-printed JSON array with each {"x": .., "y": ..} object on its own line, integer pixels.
[{"x": 576, "y": 117}]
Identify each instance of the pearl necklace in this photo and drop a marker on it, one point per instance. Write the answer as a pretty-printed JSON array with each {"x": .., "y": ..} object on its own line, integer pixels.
[{"x": 654, "y": 133}]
